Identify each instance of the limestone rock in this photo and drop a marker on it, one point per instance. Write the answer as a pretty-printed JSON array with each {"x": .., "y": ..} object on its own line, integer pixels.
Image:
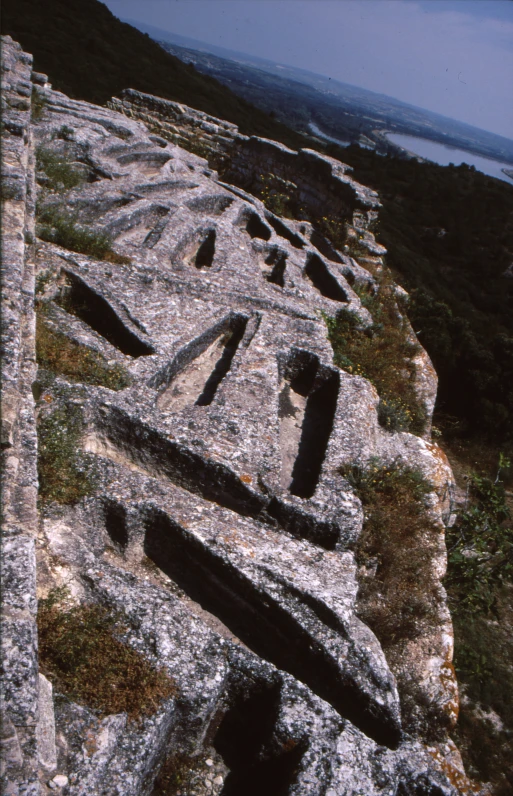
[{"x": 218, "y": 523}]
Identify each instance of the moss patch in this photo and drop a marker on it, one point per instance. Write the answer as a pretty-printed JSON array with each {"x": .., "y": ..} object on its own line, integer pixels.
[
  {"x": 83, "y": 652},
  {"x": 60, "y": 355}
]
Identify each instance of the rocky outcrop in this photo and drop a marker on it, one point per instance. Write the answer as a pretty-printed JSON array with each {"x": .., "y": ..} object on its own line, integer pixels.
[
  {"x": 216, "y": 518},
  {"x": 19, "y": 476}
]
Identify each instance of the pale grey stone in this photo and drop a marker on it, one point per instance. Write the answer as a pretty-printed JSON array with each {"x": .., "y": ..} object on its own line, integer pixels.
[
  {"x": 46, "y": 726},
  {"x": 219, "y": 524}
]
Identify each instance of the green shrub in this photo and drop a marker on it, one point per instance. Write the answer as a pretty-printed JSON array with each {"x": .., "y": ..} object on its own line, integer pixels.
[
  {"x": 276, "y": 195},
  {"x": 449, "y": 236},
  {"x": 60, "y": 355},
  {"x": 61, "y": 176},
  {"x": 479, "y": 586},
  {"x": 382, "y": 354},
  {"x": 481, "y": 546},
  {"x": 59, "y": 226},
  {"x": 83, "y": 652},
  {"x": 65, "y": 474},
  {"x": 332, "y": 228},
  {"x": 65, "y": 132}
]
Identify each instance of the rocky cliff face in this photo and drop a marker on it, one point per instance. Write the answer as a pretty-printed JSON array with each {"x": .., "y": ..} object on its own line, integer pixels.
[{"x": 209, "y": 508}]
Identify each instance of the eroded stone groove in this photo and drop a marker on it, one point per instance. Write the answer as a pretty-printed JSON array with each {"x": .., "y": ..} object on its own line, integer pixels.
[
  {"x": 317, "y": 271},
  {"x": 81, "y": 300},
  {"x": 261, "y": 622}
]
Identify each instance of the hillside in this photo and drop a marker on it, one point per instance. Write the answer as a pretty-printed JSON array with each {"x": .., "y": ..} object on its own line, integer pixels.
[
  {"x": 188, "y": 438},
  {"x": 449, "y": 231},
  {"x": 449, "y": 235},
  {"x": 89, "y": 54},
  {"x": 299, "y": 97}
]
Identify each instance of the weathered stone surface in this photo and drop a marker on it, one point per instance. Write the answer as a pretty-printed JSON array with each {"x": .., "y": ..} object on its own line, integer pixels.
[
  {"x": 19, "y": 478},
  {"x": 219, "y": 522},
  {"x": 46, "y": 749}
]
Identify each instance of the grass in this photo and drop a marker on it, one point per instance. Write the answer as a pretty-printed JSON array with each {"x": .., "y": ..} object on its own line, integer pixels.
[
  {"x": 394, "y": 550},
  {"x": 60, "y": 175},
  {"x": 381, "y": 353},
  {"x": 65, "y": 473},
  {"x": 59, "y": 226},
  {"x": 83, "y": 652},
  {"x": 60, "y": 355},
  {"x": 399, "y": 592}
]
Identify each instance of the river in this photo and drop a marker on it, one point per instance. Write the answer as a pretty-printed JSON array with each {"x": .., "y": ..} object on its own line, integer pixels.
[{"x": 443, "y": 155}]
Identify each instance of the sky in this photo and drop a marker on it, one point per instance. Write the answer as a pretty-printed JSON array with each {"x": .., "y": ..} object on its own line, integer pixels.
[{"x": 453, "y": 57}]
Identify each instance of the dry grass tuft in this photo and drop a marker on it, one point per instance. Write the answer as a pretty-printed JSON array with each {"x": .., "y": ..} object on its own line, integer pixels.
[
  {"x": 82, "y": 651},
  {"x": 60, "y": 355},
  {"x": 397, "y": 587}
]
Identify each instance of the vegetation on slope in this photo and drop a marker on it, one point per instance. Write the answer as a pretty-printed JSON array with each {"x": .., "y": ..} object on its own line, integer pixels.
[
  {"x": 91, "y": 55},
  {"x": 449, "y": 235},
  {"x": 59, "y": 355},
  {"x": 382, "y": 353},
  {"x": 480, "y": 586},
  {"x": 83, "y": 651}
]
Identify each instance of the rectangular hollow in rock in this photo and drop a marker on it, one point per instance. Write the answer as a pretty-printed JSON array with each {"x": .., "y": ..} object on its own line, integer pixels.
[
  {"x": 283, "y": 231},
  {"x": 197, "y": 249},
  {"x": 79, "y": 299},
  {"x": 244, "y": 740},
  {"x": 116, "y": 524},
  {"x": 126, "y": 440},
  {"x": 325, "y": 247},
  {"x": 256, "y": 228},
  {"x": 230, "y": 345},
  {"x": 204, "y": 368},
  {"x": 274, "y": 267},
  {"x": 317, "y": 272},
  {"x": 205, "y": 254},
  {"x": 264, "y": 622},
  {"x": 307, "y": 405}
]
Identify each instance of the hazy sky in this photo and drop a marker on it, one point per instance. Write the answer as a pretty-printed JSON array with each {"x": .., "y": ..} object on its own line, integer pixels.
[{"x": 450, "y": 56}]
